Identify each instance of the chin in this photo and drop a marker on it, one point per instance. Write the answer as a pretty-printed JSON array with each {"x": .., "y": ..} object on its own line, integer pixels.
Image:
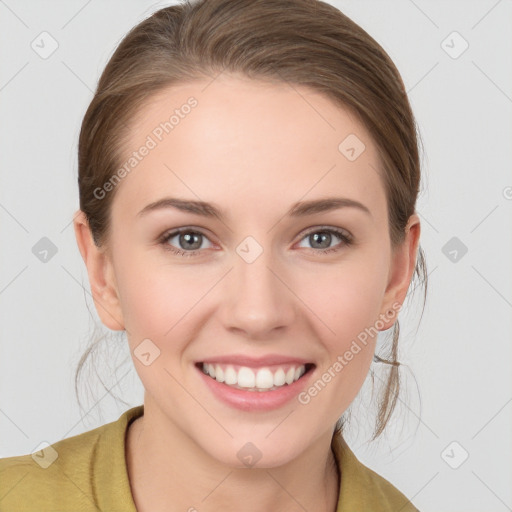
[{"x": 259, "y": 451}]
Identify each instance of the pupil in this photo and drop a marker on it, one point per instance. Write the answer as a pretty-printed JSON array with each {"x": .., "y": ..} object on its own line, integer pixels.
[
  {"x": 325, "y": 236},
  {"x": 189, "y": 239}
]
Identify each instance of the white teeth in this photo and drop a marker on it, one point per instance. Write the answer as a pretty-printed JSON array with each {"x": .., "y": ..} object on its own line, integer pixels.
[
  {"x": 279, "y": 377},
  {"x": 219, "y": 373},
  {"x": 264, "y": 379},
  {"x": 290, "y": 375},
  {"x": 230, "y": 376},
  {"x": 246, "y": 378},
  {"x": 254, "y": 380}
]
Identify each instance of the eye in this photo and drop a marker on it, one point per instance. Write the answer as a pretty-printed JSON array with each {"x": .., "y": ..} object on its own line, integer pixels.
[
  {"x": 321, "y": 239},
  {"x": 190, "y": 239}
]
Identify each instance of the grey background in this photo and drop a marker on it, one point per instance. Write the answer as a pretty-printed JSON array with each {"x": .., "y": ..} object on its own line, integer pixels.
[{"x": 458, "y": 376}]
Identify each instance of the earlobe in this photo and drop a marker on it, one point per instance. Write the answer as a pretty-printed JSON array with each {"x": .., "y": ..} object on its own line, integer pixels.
[
  {"x": 403, "y": 263},
  {"x": 101, "y": 275}
]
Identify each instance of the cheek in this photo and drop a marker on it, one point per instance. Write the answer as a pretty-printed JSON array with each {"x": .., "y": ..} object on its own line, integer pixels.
[
  {"x": 347, "y": 298},
  {"x": 154, "y": 297},
  {"x": 348, "y": 303},
  {"x": 164, "y": 302},
  {"x": 159, "y": 306}
]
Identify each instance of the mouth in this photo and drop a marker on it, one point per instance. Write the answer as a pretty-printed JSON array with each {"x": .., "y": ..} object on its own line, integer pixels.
[{"x": 257, "y": 379}]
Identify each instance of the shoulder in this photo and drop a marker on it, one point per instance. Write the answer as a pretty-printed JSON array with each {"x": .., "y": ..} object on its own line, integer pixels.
[
  {"x": 65, "y": 474},
  {"x": 44, "y": 478},
  {"x": 362, "y": 489}
]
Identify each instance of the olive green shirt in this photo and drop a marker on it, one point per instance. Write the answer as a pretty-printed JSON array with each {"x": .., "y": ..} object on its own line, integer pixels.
[{"x": 87, "y": 472}]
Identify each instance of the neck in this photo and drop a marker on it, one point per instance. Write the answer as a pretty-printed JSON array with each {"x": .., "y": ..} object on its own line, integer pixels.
[{"x": 168, "y": 471}]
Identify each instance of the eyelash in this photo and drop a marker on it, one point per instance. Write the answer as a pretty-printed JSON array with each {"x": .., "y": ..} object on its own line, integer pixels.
[{"x": 341, "y": 234}]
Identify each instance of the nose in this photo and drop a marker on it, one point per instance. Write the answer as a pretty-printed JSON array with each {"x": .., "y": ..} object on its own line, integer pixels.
[{"x": 257, "y": 300}]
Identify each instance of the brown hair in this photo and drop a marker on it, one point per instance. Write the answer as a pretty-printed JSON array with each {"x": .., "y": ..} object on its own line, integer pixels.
[{"x": 302, "y": 42}]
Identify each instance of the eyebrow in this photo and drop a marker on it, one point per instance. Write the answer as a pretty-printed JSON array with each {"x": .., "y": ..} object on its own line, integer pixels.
[{"x": 300, "y": 209}]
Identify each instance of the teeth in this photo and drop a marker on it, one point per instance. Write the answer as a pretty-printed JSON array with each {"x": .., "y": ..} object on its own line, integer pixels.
[
  {"x": 219, "y": 374},
  {"x": 264, "y": 379},
  {"x": 230, "y": 376},
  {"x": 260, "y": 380},
  {"x": 279, "y": 377},
  {"x": 246, "y": 378}
]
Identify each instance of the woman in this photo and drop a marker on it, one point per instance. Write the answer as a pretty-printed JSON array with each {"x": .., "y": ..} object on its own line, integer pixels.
[{"x": 248, "y": 174}]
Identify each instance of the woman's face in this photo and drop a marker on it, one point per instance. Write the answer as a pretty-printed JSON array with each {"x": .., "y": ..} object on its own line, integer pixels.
[{"x": 269, "y": 285}]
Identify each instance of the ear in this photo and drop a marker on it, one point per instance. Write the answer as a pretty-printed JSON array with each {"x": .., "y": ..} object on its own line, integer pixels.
[
  {"x": 403, "y": 264},
  {"x": 101, "y": 275}
]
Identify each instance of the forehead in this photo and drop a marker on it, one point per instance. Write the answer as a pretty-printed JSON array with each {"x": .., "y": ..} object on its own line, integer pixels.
[{"x": 238, "y": 137}]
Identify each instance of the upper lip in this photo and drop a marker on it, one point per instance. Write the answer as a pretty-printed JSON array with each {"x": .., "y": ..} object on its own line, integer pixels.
[{"x": 255, "y": 362}]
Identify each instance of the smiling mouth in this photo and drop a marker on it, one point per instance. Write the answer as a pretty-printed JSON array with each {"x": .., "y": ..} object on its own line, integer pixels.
[{"x": 260, "y": 379}]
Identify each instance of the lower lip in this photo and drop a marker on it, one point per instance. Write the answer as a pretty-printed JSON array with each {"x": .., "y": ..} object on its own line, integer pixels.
[{"x": 255, "y": 400}]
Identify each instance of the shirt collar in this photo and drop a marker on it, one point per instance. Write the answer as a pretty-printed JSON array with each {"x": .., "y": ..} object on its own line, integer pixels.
[{"x": 361, "y": 488}]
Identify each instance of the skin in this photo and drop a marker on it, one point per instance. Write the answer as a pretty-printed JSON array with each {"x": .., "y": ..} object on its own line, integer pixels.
[{"x": 254, "y": 149}]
